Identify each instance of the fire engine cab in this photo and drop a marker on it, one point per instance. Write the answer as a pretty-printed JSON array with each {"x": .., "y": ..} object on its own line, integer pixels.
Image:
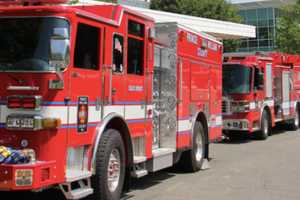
[
  {"x": 92, "y": 95},
  {"x": 258, "y": 91}
]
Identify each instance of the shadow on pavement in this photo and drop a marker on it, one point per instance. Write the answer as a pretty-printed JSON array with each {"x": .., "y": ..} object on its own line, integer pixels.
[
  {"x": 242, "y": 138},
  {"x": 55, "y": 194},
  {"x": 51, "y": 194},
  {"x": 153, "y": 179}
]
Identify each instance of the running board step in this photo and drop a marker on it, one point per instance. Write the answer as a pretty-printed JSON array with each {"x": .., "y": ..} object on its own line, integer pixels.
[
  {"x": 139, "y": 173},
  {"x": 82, "y": 187},
  {"x": 139, "y": 159},
  {"x": 80, "y": 193}
]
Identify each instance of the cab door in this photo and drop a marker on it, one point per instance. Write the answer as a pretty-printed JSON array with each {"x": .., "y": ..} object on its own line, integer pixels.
[
  {"x": 135, "y": 83},
  {"x": 85, "y": 84}
]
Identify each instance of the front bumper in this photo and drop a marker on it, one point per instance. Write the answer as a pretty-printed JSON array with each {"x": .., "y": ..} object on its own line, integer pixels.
[
  {"x": 32, "y": 176},
  {"x": 236, "y": 125}
]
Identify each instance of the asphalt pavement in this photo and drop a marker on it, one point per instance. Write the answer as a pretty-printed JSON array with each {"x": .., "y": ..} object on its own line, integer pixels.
[
  {"x": 245, "y": 169},
  {"x": 240, "y": 170}
]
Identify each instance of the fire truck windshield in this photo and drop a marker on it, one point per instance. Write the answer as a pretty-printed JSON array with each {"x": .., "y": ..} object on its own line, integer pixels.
[
  {"x": 236, "y": 79},
  {"x": 29, "y": 44}
]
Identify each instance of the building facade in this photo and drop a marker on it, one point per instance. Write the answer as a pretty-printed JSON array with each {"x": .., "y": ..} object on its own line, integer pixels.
[{"x": 263, "y": 14}]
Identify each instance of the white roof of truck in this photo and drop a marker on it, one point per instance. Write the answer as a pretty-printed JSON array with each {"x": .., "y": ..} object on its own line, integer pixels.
[{"x": 217, "y": 28}]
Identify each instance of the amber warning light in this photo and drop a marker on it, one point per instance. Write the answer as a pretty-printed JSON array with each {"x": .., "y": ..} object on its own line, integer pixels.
[{"x": 30, "y": 2}]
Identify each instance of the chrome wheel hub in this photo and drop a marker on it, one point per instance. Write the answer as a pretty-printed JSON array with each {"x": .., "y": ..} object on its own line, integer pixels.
[
  {"x": 114, "y": 170},
  {"x": 199, "y": 148}
]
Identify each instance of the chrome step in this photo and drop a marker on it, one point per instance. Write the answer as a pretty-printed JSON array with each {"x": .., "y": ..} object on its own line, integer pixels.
[
  {"x": 80, "y": 193},
  {"x": 83, "y": 188},
  {"x": 139, "y": 173},
  {"x": 139, "y": 159}
]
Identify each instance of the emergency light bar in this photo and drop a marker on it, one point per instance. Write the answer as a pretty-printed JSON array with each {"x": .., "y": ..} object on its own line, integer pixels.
[{"x": 30, "y": 2}]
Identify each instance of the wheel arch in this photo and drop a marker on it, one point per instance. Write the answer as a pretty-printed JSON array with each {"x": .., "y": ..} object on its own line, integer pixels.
[
  {"x": 117, "y": 122},
  {"x": 268, "y": 110}
]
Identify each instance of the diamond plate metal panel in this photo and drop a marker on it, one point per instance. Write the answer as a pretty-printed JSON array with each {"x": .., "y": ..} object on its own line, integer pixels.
[{"x": 165, "y": 87}]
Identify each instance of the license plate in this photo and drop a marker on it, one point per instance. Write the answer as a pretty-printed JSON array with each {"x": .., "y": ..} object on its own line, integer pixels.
[{"x": 20, "y": 123}]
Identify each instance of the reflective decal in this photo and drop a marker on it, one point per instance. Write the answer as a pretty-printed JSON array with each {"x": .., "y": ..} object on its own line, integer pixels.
[
  {"x": 192, "y": 38},
  {"x": 202, "y": 52}
]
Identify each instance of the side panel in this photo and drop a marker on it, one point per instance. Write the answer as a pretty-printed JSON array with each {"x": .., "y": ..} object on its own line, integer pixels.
[
  {"x": 269, "y": 81},
  {"x": 286, "y": 92},
  {"x": 296, "y": 81},
  {"x": 200, "y": 82},
  {"x": 184, "y": 93},
  {"x": 215, "y": 102},
  {"x": 165, "y": 87}
]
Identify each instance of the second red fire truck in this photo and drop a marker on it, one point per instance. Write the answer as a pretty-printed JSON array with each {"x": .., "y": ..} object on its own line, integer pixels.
[
  {"x": 94, "y": 95},
  {"x": 259, "y": 91}
]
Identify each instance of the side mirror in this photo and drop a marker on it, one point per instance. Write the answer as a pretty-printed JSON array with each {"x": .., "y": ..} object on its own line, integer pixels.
[{"x": 59, "y": 48}]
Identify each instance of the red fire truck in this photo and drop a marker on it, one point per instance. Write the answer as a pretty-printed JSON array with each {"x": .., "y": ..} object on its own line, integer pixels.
[
  {"x": 258, "y": 91},
  {"x": 99, "y": 94}
]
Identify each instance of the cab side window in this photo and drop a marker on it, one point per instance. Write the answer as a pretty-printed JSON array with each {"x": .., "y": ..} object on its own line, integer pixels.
[
  {"x": 135, "y": 54},
  {"x": 258, "y": 79},
  {"x": 118, "y": 51},
  {"x": 87, "y": 47}
]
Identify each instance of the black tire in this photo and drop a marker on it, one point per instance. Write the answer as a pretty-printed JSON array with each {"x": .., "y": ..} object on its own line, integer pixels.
[
  {"x": 110, "y": 143},
  {"x": 296, "y": 122},
  {"x": 190, "y": 161},
  {"x": 265, "y": 127}
]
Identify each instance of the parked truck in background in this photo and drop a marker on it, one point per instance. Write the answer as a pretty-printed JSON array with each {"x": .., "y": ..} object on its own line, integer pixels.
[
  {"x": 99, "y": 94},
  {"x": 258, "y": 91}
]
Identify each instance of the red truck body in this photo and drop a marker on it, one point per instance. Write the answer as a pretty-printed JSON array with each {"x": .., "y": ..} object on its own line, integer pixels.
[
  {"x": 73, "y": 74},
  {"x": 258, "y": 91}
]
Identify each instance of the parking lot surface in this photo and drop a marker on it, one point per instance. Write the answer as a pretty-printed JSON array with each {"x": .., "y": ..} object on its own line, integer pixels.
[{"x": 240, "y": 170}]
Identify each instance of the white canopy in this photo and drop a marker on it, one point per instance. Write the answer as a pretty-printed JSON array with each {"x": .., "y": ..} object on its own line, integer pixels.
[
  {"x": 252, "y": 4},
  {"x": 219, "y": 29}
]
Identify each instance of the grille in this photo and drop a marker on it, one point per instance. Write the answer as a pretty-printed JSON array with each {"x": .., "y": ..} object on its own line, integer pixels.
[{"x": 226, "y": 107}]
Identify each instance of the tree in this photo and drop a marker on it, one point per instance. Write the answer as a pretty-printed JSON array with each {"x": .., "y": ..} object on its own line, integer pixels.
[
  {"x": 213, "y": 9},
  {"x": 216, "y": 9},
  {"x": 288, "y": 29}
]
